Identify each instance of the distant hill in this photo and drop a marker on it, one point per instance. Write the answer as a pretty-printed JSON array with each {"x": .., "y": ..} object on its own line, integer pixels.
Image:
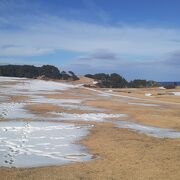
[{"x": 28, "y": 71}]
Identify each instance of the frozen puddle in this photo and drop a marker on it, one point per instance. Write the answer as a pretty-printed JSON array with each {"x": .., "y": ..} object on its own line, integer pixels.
[
  {"x": 149, "y": 130},
  {"x": 143, "y": 104},
  {"x": 96, "y": 117},
  {"x": 34, "y": 144}
]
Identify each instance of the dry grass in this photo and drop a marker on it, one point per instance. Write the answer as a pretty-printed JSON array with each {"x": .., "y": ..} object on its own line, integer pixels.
[{"x": 122, "y": 154}]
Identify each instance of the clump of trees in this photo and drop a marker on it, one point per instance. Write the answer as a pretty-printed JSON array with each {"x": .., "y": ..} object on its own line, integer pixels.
[
  {"x": 28, "y": 71},
  {"x": 140, "y": 83},
  {"x": 115, "y": 80},
  {"x": 109, "y": 80},
  {"x": 69, "y": 76}
]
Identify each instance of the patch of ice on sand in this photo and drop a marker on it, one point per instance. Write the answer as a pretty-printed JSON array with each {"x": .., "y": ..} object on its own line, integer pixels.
[
  {"x": 148, "y": 130},
  {"x": 23, "y": 147},
  {"x": 34, "y": 86},
  {"x": 3, "y": 98},
  {"x": 148, "y": 94},
  {"x": 82, "y": 107},
  {"x": 14, "y": 111},
  {"x": 97, "y": 117},
  {"x": 143, "y": 104},
  {"x": 10, "y": 79},
  {"x": 40, "y": 85},
  {"x": 176, "y": 93},
  {"x": 68, "y": 104},
  {"x": 42, "y": 99},
  {"x": 103, "y": 93}
]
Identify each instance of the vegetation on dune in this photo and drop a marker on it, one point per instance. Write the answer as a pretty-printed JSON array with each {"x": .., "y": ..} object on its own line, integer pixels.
[
  {"x": 28, "y": 71},
  {"x": 109, "y": 81},
  {"x": 113, "y": 80},
  {"x": 117, "y": 81},
  {"x": 139, "y": 83}
]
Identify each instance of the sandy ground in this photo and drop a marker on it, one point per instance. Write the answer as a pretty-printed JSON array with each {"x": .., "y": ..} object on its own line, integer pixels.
[{"x": 118, "y": 153}]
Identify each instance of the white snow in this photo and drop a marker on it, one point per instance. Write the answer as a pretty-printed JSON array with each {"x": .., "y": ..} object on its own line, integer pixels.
[
  {"x": 58, "y": 102},
  {"x": 149, "y": 130},
  {"x": 18, "y": 111},
  {"x": 97, "y": 117},
  {"x": 176, "y": 93},
  {"x": 103, "y": 93},
  {"x": 33, "y": 86},
  {"x": 10, "y": 79},
  {"x": 143, "y": 104},
  {"x": 3, "y": 98},
  {"x": 148, "y": 94},
  {"x": 95, "y": 82},
  {"x": 40, "y": 85},
  {"x": 22, "y": 146},
  {"x": 14, "y": 111},
  {"x": 68, "y": 104},
  {"x": 162, "y": 88}
]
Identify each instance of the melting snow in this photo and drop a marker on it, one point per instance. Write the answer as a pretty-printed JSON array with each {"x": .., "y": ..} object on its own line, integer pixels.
[
  {"x": 68, "y": 104},
  {"x": 97, "y": 117},
  {"x": 176, "y": 93},
  {"x": 149, "y": 130},
  {"x": 148, "y": 94},
  {"x": 10, "y": 79},
  {"x": 23, "y": 147},
  {"x": 14, "y": 111},
  {"x": 143, "y": 104},
  {"x": 33, "y": 86}
]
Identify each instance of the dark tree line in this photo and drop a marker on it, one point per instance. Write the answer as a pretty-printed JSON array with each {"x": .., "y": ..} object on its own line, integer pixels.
[
  {"x": 116, "y": 81},
  {"x": 140, "y": 83},
  {"x": 28, "y": 71},
  {"x": 109, "y": 81}
]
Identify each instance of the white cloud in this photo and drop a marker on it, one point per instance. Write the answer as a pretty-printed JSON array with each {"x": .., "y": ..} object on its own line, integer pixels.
[{"x": 45, "y": 34}]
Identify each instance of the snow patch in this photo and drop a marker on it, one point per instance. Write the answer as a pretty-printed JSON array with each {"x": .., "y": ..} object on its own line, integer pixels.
[
  {"x": 14, "y": 111},
  {"x": 22, "y": 146},
  {"x": 97, "y": 117},
  {"x": 148, "y": 94},
  {"x": 176, "y": 93},
  {"x": 149, "y": 130},
  {"x": 143, "y": 104},
  {"x": 34, "y": 86}
]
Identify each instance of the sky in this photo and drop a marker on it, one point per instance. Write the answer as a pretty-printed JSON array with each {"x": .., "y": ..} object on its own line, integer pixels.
[{"x": 139, "y": 39}]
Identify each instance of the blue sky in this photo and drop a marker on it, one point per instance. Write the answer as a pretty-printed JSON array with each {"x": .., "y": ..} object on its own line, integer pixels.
[{"x": 136, "y": 38}]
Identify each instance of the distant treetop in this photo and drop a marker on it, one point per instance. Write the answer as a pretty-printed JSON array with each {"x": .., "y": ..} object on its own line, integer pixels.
[
  {"x": 29, "y": 71},
  {"x": 115, "y": 80}
]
